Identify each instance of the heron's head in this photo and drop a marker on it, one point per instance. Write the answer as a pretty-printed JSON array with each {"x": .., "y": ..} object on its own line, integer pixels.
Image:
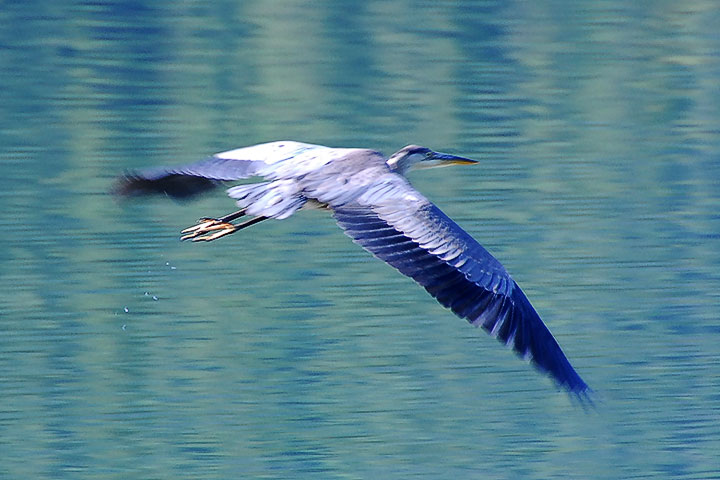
[{"x": 415, "y": 157}]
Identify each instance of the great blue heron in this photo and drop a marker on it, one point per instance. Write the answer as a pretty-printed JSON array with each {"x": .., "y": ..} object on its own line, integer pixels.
[{"x": 378, "y": 208}]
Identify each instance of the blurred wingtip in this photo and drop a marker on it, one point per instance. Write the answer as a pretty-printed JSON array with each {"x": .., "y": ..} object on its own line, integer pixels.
[
  {"x": 134, "y": 184},
  {"x": 127, "y": 185},
  {"x": 587, "y": 398},
  {"x": 570, "y": 381}
]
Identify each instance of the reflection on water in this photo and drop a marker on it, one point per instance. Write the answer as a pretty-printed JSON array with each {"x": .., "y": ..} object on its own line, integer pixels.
[{"x": 287, "y": 352}]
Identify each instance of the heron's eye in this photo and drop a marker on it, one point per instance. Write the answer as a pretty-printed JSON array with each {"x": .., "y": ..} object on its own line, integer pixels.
[{"x": 428, "y": 155}]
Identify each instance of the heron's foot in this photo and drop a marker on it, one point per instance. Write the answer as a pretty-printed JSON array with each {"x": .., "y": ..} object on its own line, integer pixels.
[{"x": 208, "y": 229}]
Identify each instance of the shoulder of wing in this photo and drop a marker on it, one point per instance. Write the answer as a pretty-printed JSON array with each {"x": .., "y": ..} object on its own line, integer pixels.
[
  {"x": 289, "y": 159},
  {"x": 270, "y": 152}
]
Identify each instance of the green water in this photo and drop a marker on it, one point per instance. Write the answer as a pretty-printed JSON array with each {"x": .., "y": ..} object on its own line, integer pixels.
[{"x": 288, "y": 352}]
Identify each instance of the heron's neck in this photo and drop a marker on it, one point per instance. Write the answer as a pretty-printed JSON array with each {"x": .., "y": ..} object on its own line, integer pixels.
[{"x": 400, "y": 165}]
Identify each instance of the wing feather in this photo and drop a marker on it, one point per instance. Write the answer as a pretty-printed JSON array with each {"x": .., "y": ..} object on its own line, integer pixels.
[{"x": 426, "y": 245}]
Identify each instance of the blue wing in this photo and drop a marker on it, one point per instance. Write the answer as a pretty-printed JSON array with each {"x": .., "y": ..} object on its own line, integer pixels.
[{"x": 429, "y": 247}]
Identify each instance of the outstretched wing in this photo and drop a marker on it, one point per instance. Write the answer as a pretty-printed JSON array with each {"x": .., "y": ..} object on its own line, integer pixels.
[
  {"x": 185, "y": 181},
  {"x": 423, "y": 243},
  {"x": 270, "y": 160}
]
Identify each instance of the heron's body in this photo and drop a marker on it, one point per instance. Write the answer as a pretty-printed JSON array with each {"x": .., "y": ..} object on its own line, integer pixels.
[{"x": 378, "y": 208}]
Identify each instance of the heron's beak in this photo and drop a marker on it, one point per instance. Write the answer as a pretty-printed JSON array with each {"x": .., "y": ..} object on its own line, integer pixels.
[{"x": 447, "y": 159}]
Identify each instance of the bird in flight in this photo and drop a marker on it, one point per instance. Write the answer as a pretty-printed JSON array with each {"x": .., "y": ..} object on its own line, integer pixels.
[{"x": 374, "y": 203}]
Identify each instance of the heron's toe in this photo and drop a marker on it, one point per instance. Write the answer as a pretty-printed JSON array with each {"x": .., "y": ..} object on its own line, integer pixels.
[
  {"x": 220, "y": 230},
  {"x": 202, "y": 224},
  {"x": 199, "y": 232}
]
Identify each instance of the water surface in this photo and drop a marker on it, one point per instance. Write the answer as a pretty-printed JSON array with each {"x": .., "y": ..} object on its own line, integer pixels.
[{"x": 288, "y": 352}]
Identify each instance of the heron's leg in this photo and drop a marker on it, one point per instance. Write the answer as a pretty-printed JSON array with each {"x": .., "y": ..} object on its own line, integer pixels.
[
  {"x": 220, "y": 226},
  {"x": 210, "y": 220},
  {"x": 232, "y": 216}
]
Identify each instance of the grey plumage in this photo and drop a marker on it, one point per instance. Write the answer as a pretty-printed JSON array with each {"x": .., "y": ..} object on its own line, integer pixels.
[{"x": 378, "y": 208}]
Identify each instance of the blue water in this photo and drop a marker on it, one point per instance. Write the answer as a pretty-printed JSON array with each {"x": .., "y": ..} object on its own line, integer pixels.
[{"x": 288, "y": 352}]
